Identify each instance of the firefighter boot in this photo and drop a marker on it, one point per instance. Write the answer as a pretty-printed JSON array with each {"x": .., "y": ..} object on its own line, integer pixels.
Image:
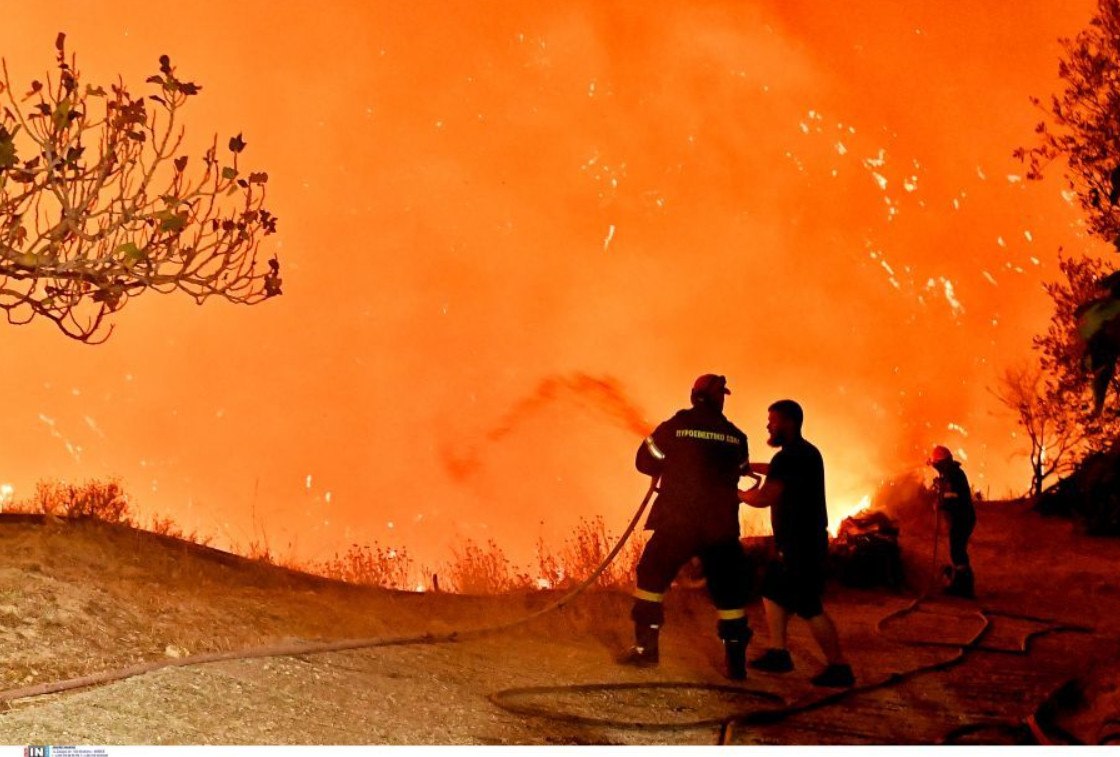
[
  {"x": 644, "y": 653},
  {"x": 962, "y": 583},
  {"x": 736, "y": 652},
  {"x": 736, "y": 634}
]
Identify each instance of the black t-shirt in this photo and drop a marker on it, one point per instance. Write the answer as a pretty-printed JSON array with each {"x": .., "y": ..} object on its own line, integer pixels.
[{"x": 800, "y": 516}]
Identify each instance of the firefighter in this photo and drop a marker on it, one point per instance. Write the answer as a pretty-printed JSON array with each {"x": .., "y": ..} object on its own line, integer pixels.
[
  {"x": 794, "y": 581},
  {"x": 954, "y": 499},
  {"x": 699, "y": 456}
]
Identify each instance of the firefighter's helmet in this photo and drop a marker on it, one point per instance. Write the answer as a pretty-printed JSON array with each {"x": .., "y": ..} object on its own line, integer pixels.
[
  {"x": 711, "y": 387},
  {"x": 940, "y": 454}
]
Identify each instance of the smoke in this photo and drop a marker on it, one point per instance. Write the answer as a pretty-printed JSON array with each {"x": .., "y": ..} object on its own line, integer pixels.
[
  {"x": 904, "y": 497},
  {"x": 816, "y": 200},
  {"x": 603, "y": 396}
]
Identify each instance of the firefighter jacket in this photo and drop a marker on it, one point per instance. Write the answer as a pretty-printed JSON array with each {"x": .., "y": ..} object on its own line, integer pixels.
[
  {"x": 954, "y": 495},
  {"x": 699, "y": 455}
]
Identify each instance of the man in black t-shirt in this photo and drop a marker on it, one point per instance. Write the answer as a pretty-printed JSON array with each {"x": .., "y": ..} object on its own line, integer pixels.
[
  {"x": 698, "y": 456},
  {"x": 794, "y": 582}
]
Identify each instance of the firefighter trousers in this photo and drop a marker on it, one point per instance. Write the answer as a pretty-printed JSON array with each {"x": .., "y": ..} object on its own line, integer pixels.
[
  {"x": 725, "y": 568},
  {"x": 961, "y": 525}
]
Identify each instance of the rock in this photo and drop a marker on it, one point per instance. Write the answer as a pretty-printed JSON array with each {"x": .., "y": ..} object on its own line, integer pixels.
[{"x": 174, "y": 651}]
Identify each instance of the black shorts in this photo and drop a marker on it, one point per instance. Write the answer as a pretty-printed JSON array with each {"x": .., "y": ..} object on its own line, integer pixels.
[{"x": 795, "y": 586}]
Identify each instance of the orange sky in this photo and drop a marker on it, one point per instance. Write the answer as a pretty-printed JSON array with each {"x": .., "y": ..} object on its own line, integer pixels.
[{"x": 473, "y": 202}]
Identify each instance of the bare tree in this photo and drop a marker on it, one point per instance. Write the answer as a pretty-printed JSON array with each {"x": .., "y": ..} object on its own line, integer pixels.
[
  {"x": 1055, "y": 434},
  {"x": 97, "y": 204}
]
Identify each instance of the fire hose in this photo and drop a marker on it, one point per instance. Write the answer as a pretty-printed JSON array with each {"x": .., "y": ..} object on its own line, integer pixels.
[
  {"x": 508, "y": 699},
  {"x": 763, "y": 716},
  {"x": 341, "y": 645},
  {"x": 1038, "y": 724}
]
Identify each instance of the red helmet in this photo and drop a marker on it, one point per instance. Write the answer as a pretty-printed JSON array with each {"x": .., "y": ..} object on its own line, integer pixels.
[
  {"x": 940, "y": 454},
  {"x": 710, "y": 386}
]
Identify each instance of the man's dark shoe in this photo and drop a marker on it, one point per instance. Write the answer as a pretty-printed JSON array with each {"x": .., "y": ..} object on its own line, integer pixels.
[
  {"x": 736, "y": 659},
  {"x": 773, "y": 661},
  {"x": 962, "y": 584},
  {"x": 960, "y": 591},
  {"x": 835, "y": 676},
  {"x": 640, "y": 657}
]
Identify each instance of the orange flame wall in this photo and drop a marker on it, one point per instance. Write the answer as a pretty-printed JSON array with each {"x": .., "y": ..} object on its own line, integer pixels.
[{"x": 815, "y": 199}]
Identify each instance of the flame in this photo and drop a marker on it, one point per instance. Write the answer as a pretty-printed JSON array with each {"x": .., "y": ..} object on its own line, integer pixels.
[{"x": 837, "y": 515}]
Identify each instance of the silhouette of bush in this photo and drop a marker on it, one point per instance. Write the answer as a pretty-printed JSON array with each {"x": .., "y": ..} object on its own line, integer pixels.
[{"x": 100, "y": 500}]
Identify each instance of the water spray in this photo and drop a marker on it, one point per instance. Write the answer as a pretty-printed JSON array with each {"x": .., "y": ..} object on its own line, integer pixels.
[{"x": 603, "y": 395}]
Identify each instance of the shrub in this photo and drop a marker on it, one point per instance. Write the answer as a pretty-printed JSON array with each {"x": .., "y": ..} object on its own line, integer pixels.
[
  {"x": 474, "y": 570},
  {"x": 101, "y": 500},
  {"x": 387, "y": 567},
  {"x": 165, "y": 526},
  {"x": 583, "y": 551}
]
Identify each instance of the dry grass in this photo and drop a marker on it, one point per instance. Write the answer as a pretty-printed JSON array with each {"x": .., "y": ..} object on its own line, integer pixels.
[
  {"x": 105, "y": 501},
  {"x": 583, "y": 552},
  {"x": 367, "y": 565},
  {"x": 473, "y": 568},
  {"x": 165, "y": 526},
  {"x": 78, "y": 595},
  {"x": 477, "y": 569},
  {"x": 101, "y": 500}
]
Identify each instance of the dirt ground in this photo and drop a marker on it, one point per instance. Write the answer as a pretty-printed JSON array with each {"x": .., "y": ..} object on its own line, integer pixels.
[{"x": 82, "y": 597}]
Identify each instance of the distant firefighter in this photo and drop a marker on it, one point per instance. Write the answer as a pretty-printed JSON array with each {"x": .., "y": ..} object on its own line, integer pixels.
[
  {"x": 794, "y": 582},
  {"x": 954, "y": 499},
  {"x": 699, "y": 456}
]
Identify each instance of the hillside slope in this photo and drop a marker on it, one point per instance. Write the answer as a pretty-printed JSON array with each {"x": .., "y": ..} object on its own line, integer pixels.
[{"x": 78, "y": 597}]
